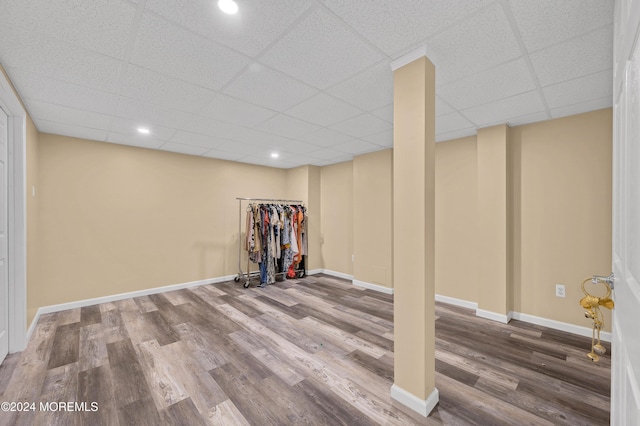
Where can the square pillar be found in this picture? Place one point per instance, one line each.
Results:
(413, 232)
(494, 287)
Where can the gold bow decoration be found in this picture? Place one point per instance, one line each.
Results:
(592, 305)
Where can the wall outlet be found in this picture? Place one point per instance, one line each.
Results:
(560, 290)
(353, 257)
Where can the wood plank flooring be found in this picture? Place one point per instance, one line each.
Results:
(311, 351)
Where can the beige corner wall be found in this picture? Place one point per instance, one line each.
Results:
(117, 219)
(456, 219)
(562, 212)
(337, 217)
(372, 212)
(303, 183)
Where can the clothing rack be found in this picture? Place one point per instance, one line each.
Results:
(249, 274)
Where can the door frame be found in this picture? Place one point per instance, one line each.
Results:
(16, 214)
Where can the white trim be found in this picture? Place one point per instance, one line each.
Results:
(375, 287)
(494, 316)
(457, 302)
(16, 215)
(112, 298)
(408, 399)
(561, 326)
(337, 274)
(315, 271)
(407, 58)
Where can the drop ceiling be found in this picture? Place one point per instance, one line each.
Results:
(308, 79)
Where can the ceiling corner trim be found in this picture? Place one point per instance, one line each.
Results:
(407, 58)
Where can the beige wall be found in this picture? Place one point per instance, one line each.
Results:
(456, 219)
(337, 217)
(562, 212)
(372, 212)
(117, 219)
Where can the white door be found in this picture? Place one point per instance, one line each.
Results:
(625, 369)
(4, 282)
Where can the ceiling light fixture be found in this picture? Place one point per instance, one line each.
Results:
(144, 130)
(229, 7)
(274, 155)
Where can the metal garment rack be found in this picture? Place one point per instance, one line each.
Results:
(249, 274)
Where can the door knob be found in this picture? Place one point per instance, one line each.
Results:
(600, 279)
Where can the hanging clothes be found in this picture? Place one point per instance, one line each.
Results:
(276, 238)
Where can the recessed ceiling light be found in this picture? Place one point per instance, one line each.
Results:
(144, 130)
(229, 7)
(274, 155)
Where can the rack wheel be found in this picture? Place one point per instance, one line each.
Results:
(246, 285)
(236, 279)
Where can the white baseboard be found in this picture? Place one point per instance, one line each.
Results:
(561, 326)
(114, 297)
(494, 316)
(532, 319)
(457, 302)
(315, 271)
(409, 400)
(376, 287)
(337, 274)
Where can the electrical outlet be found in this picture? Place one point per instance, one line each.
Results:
(353, 257)
(560, 290)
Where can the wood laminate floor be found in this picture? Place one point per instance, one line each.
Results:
(311, 351)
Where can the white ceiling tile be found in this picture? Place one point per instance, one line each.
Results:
(451, 123)
(396, 25)
(442, 108)
(371, 89)
(310, 50)
(264, 161)
(168, 49)
(257, 24)
(286, 126)
(384, 139)
(183, 149)
(294, 147)
(28, 51)
(215, 128)
(62, 114)
(546, 22)
(587, 106)
(323, 110)
(56, 128)
(583, 55)
(231, 110)
(132, 140)
(386, 113)
(458, 52)
(150, 114)
(496, 83)
(130, 127)
(362, 125)
(98, 25)
(195, 139)
(151, 87)
(44, 89)
(330, 155)
(573, 91)
(356, 146)
(269, 88)
(503, 110)
(325, 137)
